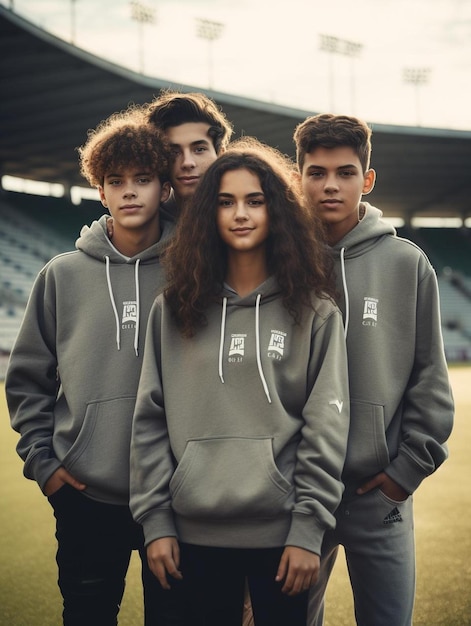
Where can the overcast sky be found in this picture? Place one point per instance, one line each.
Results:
(273, 51)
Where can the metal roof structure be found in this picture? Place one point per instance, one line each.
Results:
(53, 92)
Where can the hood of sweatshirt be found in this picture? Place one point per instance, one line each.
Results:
(94, 242)
(357, 242)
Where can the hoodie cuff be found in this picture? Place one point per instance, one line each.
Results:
(157, 524)
(305, 533)
(406, 473)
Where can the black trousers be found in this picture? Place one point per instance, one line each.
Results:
(214, 580)
(95, 541)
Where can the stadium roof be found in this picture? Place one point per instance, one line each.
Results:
(53, 92)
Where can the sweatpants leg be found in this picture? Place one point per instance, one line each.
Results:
(378, 535)
(94, 549)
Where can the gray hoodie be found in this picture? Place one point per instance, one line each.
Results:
(240, 432)
(401, 401)
(73, 373)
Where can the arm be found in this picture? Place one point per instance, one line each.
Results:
(428, 408)
(31, 385)
(152, 462)
(322, 448)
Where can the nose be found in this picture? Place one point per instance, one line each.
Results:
(188, 159)
(240, 212)
(331, 182)
(129, 191)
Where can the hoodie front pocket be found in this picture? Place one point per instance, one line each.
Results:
(229, 478)
(367, 451)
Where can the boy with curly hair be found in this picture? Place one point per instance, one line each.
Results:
(73, 374)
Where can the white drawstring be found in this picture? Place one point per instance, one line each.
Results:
(115, 310)
(345, 291)
(136, 332)
(221, 341)
(110, 291)
(257, 340)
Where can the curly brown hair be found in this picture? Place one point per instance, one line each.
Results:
(297, 256)
(123, 139)
(173, 108)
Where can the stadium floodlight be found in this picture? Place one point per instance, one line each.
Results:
(335, 45)
(416, 76)
(209, 30)
(141, 14)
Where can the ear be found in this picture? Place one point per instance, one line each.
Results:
(165, 192)
(369, 181)
(102, 196)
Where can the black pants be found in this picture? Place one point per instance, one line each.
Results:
(95, 541)
(214, 580)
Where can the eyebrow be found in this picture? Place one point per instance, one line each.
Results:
(340, 167)
(119, 175)
(254, 194)
(198, 142)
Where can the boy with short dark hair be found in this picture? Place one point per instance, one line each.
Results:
(73, 374)
(197, 132)
(401, 400)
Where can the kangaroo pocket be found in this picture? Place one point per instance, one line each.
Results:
(100, 455)
(229, 478)
(367, 451)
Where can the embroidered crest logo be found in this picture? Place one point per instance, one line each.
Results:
(237, 346)
(129, 312)
(370, 311)
(276, 346)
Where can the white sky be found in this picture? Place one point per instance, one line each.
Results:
(270, 51)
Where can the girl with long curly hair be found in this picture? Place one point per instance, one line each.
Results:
(241, 421)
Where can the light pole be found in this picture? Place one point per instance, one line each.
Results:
(142, 14)
(416, 76)
(209, 30)
(334, 45)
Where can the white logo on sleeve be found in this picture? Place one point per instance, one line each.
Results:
(338, 404)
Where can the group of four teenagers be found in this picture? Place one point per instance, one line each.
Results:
(274, 409)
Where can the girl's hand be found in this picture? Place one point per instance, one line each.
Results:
(163, 557)
(298, 569)
(57, 480)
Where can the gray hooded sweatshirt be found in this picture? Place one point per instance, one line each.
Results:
(240, 432)
(401, 400)
(73, 373)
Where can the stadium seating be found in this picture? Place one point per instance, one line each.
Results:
(33, 229)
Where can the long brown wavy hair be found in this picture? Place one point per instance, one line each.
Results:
(297, 256)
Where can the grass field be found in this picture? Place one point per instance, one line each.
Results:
(29, 594)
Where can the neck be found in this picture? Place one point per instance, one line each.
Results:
(246, 272)
(131, 242)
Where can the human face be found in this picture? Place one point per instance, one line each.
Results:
(333, 183)
(132, 197)
(192, 153)
(242, 215)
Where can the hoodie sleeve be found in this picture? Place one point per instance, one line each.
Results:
(321, 451)
(151, 459)
(428, 407)
(31, 383)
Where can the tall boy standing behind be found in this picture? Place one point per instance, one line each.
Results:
(72, 379)
(197, 132)
(401, 401)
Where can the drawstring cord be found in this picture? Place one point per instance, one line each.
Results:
(257, 344)
(221, 341)
(136, 331)
(345, 290)
(257, 339)
(115, 311)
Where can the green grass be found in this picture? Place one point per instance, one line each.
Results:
(28, 589)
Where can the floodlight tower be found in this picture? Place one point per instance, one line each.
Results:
(142, 14)
(416, 76)
(209, 30)
(334, 45)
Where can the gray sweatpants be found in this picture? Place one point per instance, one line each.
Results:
(378, 536)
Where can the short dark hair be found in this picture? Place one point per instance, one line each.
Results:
(173, 108)
(330, 131)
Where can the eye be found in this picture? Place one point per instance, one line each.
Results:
(225, 202)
